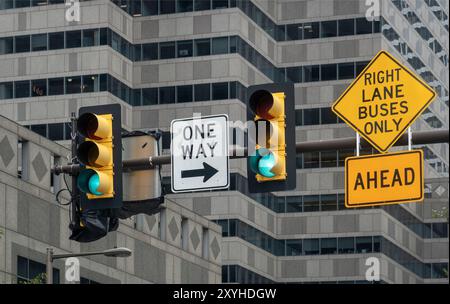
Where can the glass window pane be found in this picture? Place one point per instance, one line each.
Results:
(346, 27)
(311, 73)
(22, 3)
(149, 7)
(328, 246)
(22, 89)
(56, 86)
(184, 93)
(343, 154)
(311, 30)
(56, 41)
(22, 44)
(6, 90)
(327, 116)
(22, 267)
(6, 4)
(328, 202)
(311, 117)
(328, 29)
(184, 48)
(311, 246)
(167, 95)
(39, 87)
(440, 230)
(220, 45)
(328, 159)
(218, 4)
(311, 203)
(6, 45)
(364, 244)
(56, 131)
(346, 245)
(346, 70)
(363, 26)
(294, 31)
(293, 247)
(202, 47)
(294, 74)
(73, 39)
(311, 160)
(91, 37)
(150, 51)
(73, 85)
(39, 129)
(360, 66)
(184, 6)
(167, 50)
(167, 7)
(329, 72)
(202, 92)
(90, 83)
(149, 96)
(39, 42)
(294, 204)
(220, 91)
(200, 5)
(298, 117)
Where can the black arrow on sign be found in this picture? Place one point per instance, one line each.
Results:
(207, 172)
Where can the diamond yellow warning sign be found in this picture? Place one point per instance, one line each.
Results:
(382, 179)
(383, 101)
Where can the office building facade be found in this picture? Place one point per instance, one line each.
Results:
(168, 59)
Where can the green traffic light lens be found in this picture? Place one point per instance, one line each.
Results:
(93, 184)
(265, 165)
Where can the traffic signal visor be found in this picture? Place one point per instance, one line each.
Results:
(96, 153)
(269, 159)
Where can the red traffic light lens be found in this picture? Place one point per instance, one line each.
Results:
(261, 103)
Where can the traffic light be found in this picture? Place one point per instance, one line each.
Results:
(99, 151)
(271, 164)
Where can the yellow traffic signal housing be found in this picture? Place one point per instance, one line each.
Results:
(99, 150)
(271, 159)
(269, 109)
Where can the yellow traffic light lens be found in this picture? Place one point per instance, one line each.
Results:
(94, 154)
(94, 126)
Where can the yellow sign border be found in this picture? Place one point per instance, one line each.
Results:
(357, 79)
(409, 200)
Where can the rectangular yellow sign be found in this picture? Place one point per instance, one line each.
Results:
(383, 179)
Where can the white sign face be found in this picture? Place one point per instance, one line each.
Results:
(199, 151)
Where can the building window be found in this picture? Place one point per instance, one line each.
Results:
(328, 72)
(6, 45)
(311, 246)
(73, 85)
(311, 203)
(363, 26)
(364, 244)
(56, 86)
(328, 29)
(39, 87)
(327, 116)
(220, 45)
(346, 70)
(202, 92)
(22, 44)
(6, 90)
(293, 247)
(294, 31)
(22, 89)
(56, 131)
(294, 74)
(184, 6)
(91, 37)
(87, 281)
(184, 93)
(184, 48)
(166, 95)
(311, 30)
(167, 50)
(73, 39)
(311, 117)
(149, 7)
(28, 270)
(149, 96)
(150, 51)
(294, 204)
(167, 6)
(39, 42)
(346, 245)
(39, 129)
(328, 159)
(56, 41)
(328, 202)
(90, 84)
(220, 91)
(218, 4)
(328, 246)
(202, 47)
(311, 73)
(346, 27)
(202, 5)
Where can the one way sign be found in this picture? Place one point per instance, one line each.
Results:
(200, 153)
